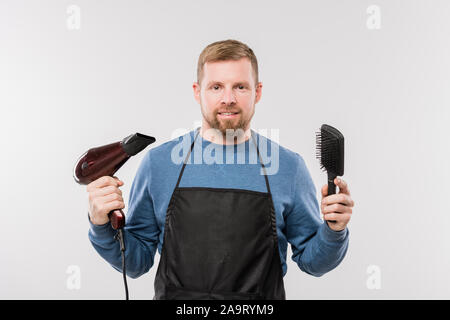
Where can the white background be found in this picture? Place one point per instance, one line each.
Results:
(130, 68)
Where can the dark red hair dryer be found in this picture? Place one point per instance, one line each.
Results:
(105, 161)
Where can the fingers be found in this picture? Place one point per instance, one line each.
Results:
(341, 198)
(106, 195)
(113, 205)
(103, 182)
(343, 186)
(339, 182)
(112, 197)
(324, 190)
(341, 218)
(100, 207)
(336, 208)
(105, 191)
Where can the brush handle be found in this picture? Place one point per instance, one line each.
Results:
(331, 187)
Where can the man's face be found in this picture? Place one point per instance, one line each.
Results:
(227, 94)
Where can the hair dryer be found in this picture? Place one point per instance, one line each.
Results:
(106, 160)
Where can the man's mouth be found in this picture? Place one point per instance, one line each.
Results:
(227, 115)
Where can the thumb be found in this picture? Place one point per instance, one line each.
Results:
(324, 190)
(120, 182)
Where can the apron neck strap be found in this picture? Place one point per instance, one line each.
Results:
(257, 150)
(185, 160)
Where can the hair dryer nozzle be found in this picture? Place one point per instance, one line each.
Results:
(135, 143)
(106, 160)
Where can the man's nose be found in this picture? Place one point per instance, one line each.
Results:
(228, 97)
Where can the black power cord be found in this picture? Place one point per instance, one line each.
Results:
(120, 237)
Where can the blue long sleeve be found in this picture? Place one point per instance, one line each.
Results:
(316, 248)
(140, 232)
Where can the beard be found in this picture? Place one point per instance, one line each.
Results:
(222, 125)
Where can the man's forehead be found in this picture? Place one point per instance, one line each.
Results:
(243, 63)
(228, 71)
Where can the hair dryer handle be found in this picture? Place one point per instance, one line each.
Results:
(117, 219)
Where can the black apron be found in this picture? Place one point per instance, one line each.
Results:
(220, 244)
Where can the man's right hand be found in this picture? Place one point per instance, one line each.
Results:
(104, 196)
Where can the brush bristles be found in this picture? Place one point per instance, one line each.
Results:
(326, 149)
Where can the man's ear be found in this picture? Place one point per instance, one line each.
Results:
(196, 88)
(258, 92)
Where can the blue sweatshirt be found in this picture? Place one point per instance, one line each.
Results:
(316, 248)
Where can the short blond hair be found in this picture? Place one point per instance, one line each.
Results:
(226, 50)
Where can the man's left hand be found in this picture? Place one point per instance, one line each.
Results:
(337, 208)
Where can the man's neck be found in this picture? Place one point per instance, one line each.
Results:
(215, 136)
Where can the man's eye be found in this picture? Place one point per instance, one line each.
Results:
(241, 87)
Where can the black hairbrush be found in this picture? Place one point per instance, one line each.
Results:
(330, 152)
